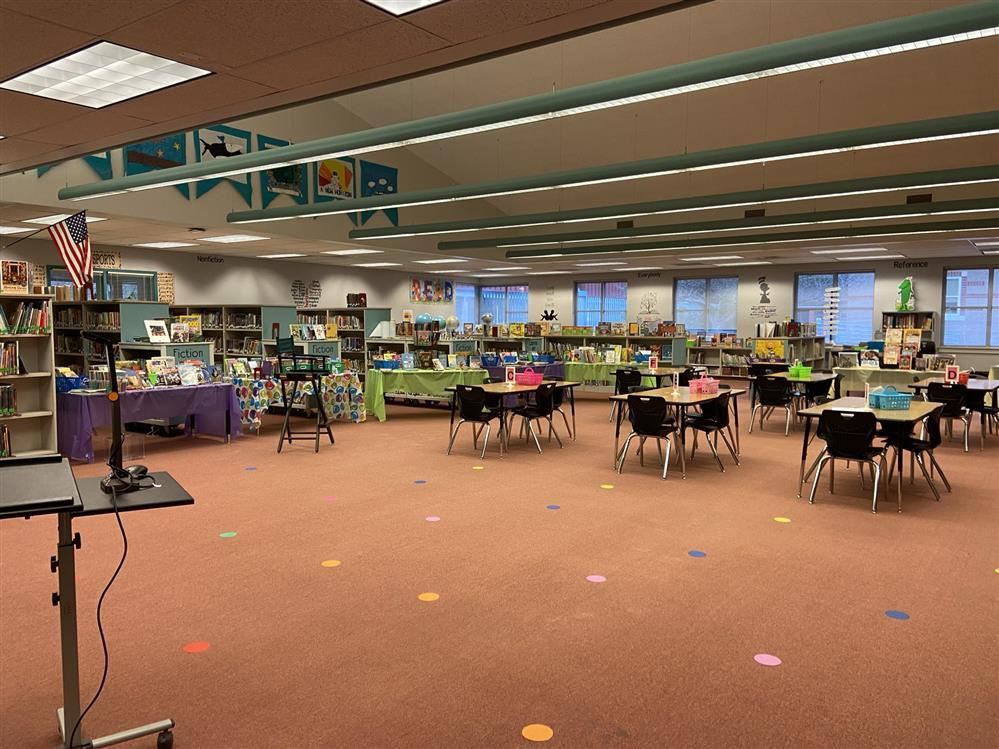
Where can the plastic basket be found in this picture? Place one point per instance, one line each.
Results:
(799, 372)
(490, 360)
(529, 377)
(704, 385)
(889, 399)
(543, 358)
(65, 384)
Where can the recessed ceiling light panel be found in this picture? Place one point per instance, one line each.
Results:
(165, 245)
(871, 257)
(710, 257)
(102, 74)
(748, 262)
(357, 251)
(512, 267)
(233, 238)
(13, 229)
(549, 273)
(281, 256)
(374, 265)
(441, 261)
(608, 262)
(848, 250)
(57, 217)
(402, 7)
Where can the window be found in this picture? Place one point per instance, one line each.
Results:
(466, 298)
(971, 307)
(58, 276)
(856, 304)
(506, 304)
(707, 306)
(601, 301)
(134, 285)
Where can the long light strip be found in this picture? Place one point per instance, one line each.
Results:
(766, 196)
(844, 141)
(894, 36)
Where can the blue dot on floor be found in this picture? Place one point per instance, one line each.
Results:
(696, 553)
(553, 507)
(250, 468)
(420, 481)
(893, 614)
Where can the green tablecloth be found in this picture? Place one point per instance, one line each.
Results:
(854, 378)
(377, 382)
(600, 373)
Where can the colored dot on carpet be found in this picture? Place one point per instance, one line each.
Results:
(250, 468)
(428, 597)
(893, 614)
(553, 507)
(432, 518)
(331, 563)
(696, 553)
(227, 534)
(596, 578)
(765, 659)
(537, 732)
(420, 481)
(327, 499)
(197, 647)
(607, 486)
(996, 570)
(782, 520)
(478, 468)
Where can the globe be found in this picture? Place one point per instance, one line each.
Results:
(441, 322)
(424, 319)
(487, 318)
(452, 322)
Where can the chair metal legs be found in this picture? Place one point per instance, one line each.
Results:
(454, 434)
(477, 429)
(934, 464)
(825, 458)
(627, 443)
(767, 412)
(922, 466)
(752, 418)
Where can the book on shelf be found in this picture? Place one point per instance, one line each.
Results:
(10, 359)
(8, 400)
(193, 323)
(29, 317)
(5, 448)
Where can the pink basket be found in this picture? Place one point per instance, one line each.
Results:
(529, 377)
(704, 385)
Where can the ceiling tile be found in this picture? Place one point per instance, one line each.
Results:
(474, 19)
(92, 16)
(13, 149)
(20, 113)
(231, 33)
(361, 50)
(28, 42)
(89, 126)
(202, 94)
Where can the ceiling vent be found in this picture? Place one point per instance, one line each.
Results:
(625, 224)
(756, 212)
(925, 197)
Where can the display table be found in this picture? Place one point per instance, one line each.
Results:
(994, 372)
(548, 371)
(854, 378)
(211, 408)
(420, 382)
(342, 395)
(601, 373)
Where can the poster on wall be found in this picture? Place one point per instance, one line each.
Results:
(223, 142)
(335, 179)
(291, 180)
(159, 153)
(378, 179)
(431, 291)
(100, 163)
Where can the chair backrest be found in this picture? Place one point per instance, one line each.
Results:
(932, 423)
(471, 401)
(544, 398)
(558, 394)
(647, 413)
(717, 410)
(951, 395)
(848, 434)
(773, 391)
(285, 345)
(761, 369)
(686, 376)
(626, 378)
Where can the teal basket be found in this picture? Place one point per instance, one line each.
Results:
(889, 399)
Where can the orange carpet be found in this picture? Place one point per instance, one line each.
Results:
(662, 648)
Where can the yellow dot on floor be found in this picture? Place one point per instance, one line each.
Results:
(537, 732)
(783, 520)
(997, 570)
(607, 486)
(331, 563)
(478, 468)
(428, 596)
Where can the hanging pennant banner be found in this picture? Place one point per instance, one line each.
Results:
(378, 179)
(222, 142)
(291, 180)
(159, 153)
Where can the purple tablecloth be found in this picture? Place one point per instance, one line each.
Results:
(78, 414)
(555, 369)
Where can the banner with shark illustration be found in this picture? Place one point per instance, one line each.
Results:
(222, 142)
(99, 162)
(378, 179)
(291, 180)
(158, 153)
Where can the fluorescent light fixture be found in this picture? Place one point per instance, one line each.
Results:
(990, 252)
(374, 265)
(165, 245)
(512, 267)
(402, 7)
(609, 262)
(549, 273)
(102, 74)
(490, 275)
(747, 262)
(441, 261)
(710, 257)
(846, 250)
(57, 217)
(985, 243)
(443, 272)
(281, 256)
(2, 137)
(643, 267)
(233, 238)
(357, 251)
(13, 229)
(897, 35)
(871, 257)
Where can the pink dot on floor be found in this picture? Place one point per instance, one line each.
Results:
(765, 659)
(199, 646)
(432, 518)
(327, 499)
(596, 578)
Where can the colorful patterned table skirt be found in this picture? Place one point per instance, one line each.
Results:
(343, 397)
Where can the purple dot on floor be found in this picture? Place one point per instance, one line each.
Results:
(696, 553)
(432, 518)
(893, 614)
(553, 507)
(420, 481)
(765, 659)
(596, 578)
(250, 468)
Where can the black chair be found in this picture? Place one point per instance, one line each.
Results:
(297, 368)
(542, 407)
(626, 380)
(648, 419)
(684, 377)
(712, 420)
(849, 436)
(762, 369)
(919, 447)
(953, 396)
(558, 400)
(771, 393)
(473, 408)
(988, 412)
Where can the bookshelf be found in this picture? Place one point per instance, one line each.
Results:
(925, 321)
(808, 349)
(721, 360)
(672, 349)
(31, 428)
(355, 329)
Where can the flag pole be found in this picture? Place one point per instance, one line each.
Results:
(36, 231)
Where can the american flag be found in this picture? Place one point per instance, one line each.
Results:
(73, 241)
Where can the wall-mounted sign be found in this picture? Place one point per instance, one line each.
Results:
(911, 264)
(210, 259)
(649, 274)
(106, 258)
(763, 311)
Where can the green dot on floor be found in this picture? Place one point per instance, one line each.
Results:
(227, 534)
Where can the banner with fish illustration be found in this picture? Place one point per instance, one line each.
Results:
(335, 179)
(222, 142)
(158, 153)
(378, 179)
(100, 163)
(291, 180)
